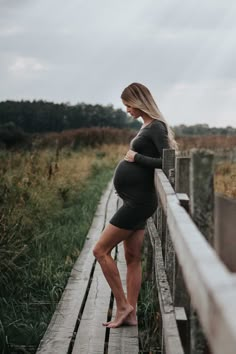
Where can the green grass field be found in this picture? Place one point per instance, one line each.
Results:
(47, 202)
(47, 206)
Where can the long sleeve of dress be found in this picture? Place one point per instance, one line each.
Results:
(159, 137)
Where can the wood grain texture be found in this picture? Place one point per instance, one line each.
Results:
(170, 330)
(90, 337)
(211, 287)
(202, 191)
(85, 301)
(168, 160)
(225, 226)
(124, 339)
(163, 188)
(182, 174)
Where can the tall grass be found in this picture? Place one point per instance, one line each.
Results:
(148, 314)
(77, 138)
(47, 205)
(208, 142)
(225, 179)
(47, 200)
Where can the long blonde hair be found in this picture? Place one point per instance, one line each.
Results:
(138, 96)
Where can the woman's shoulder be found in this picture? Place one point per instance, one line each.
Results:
(158, 126)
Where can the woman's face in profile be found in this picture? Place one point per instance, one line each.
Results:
(134, 112)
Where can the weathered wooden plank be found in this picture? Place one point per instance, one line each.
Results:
(184, 201)
(161, 226)
(210, 285)
(180, 314)
(168, 160)
(202, 191)
(163, 186)
(90, 337)
(165, 189)
(182, 174)
(181, 296)
(182, 322)
(169, 262)
(124, 339)
(170, 330)
(225, 226)
(60, 330)
(201, 205)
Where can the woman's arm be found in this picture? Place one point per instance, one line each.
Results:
(158, 134)
(153, 162)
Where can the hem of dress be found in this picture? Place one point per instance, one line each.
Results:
(128, 228)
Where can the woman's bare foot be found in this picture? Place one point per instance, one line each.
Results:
(131, 319)
(120, 317)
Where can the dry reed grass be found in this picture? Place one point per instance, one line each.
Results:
(34, 185)
(207, 142)
(225, 179)
(78, 138)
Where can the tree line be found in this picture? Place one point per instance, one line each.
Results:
(42, 116)
(20, 119)
(202, 129)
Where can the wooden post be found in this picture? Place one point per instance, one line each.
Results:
(202, 191)
(168, 168)
(181, 297)
(182, 182)
(168, 161)
(160, 223)
(225, 226)
(201, 207)
(171, 176)
(182, 165)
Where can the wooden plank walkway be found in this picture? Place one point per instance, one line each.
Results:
(76, 326)
(122, 339)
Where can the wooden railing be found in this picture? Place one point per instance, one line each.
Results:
(197, 293)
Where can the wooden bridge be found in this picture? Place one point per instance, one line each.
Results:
(87, 301)
(196, 292)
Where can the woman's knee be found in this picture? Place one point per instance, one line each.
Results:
(132, 257)
(99, 252)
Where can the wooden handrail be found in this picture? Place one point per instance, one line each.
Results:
(212, 288)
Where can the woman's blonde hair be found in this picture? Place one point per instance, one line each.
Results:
(138, 96)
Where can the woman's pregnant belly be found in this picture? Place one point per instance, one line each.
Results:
(133, 182)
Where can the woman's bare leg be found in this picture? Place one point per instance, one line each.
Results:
(133, 252)
(110, 237)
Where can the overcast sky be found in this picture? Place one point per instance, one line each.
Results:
(88, 51)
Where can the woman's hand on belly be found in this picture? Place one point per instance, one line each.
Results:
(130, 156)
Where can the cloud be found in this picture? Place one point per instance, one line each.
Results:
(26, 66)
(88, 51)
(206, 101)
(11, 30)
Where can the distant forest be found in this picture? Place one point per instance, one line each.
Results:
(202, 129)
(44, 117)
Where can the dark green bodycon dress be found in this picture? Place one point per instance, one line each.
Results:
(134, 181)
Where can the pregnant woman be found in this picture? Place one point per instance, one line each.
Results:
(134, 183)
